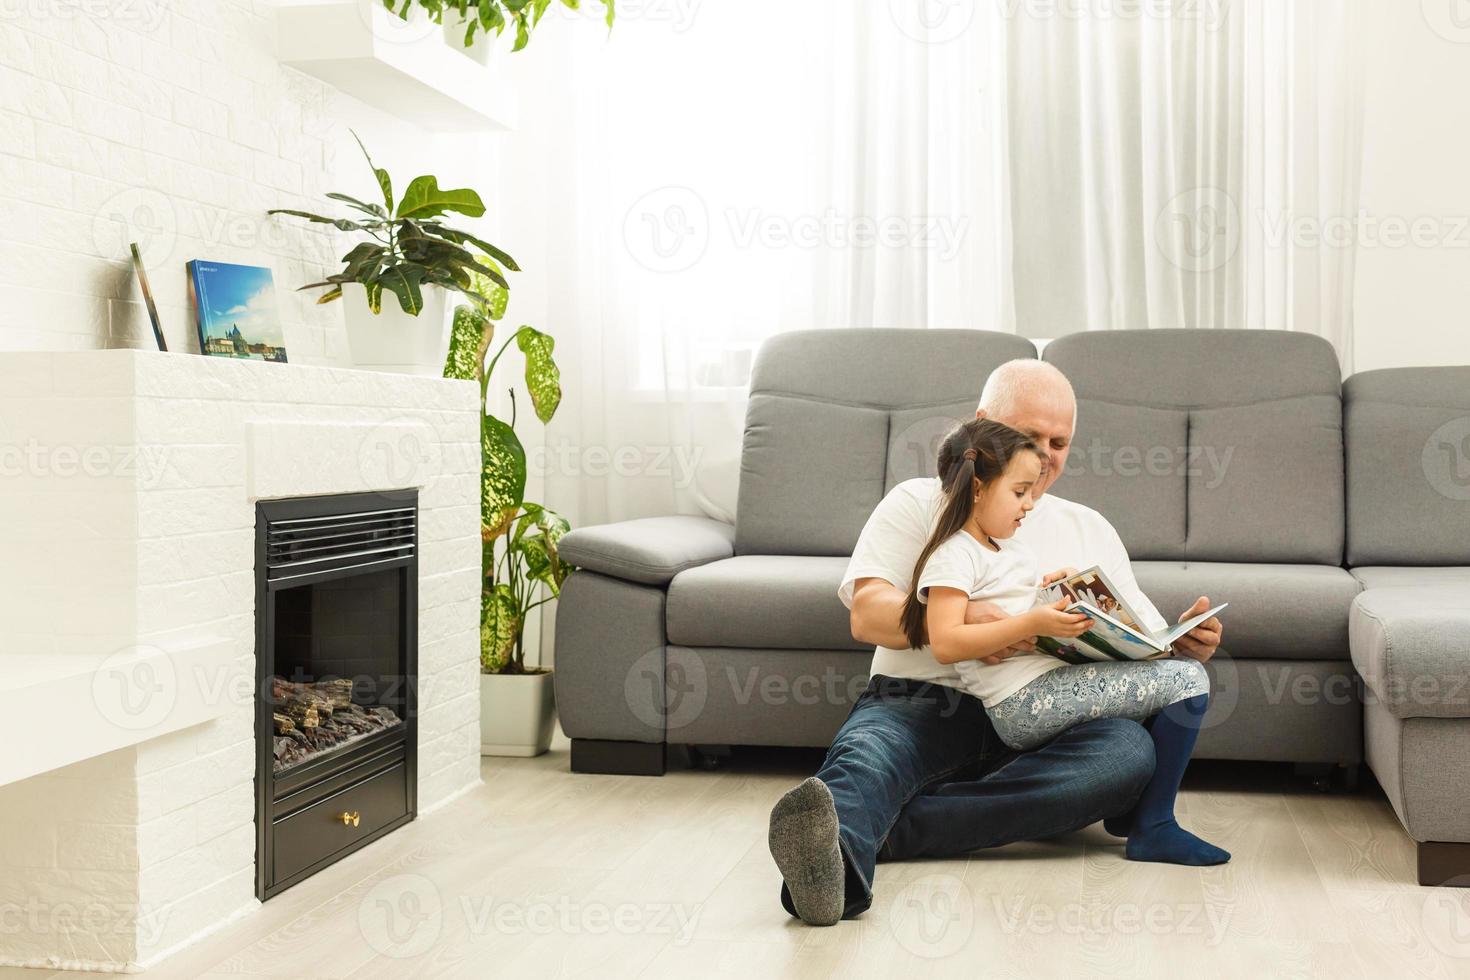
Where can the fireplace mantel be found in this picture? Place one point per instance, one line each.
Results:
(130, 480)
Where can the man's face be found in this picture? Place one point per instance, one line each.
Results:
(1048, 420)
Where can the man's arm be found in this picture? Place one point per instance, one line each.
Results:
(877, 613)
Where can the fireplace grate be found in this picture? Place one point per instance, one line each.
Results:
(305, 546)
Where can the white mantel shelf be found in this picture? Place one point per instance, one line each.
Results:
(407, 70)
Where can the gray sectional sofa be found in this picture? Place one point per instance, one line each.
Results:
(1334, 518)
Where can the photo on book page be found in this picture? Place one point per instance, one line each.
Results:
(1093, 588)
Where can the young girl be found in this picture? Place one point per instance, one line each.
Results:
(987, 472)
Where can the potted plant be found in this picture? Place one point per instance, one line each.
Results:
(470, 16)
(521, 565)
(408, 251)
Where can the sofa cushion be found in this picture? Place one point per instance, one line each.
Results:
(829, 409)
(650, 550)
(1128, 464)
(1408, 466)
(762, 601)
(1262, 461)
(1277, 612)
(1412, 646)
(1387, 576)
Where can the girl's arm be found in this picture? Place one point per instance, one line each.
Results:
(951, 639)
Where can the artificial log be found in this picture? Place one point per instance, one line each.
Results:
(283, 724)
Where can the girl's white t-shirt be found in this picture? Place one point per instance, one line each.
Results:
(1009, 578)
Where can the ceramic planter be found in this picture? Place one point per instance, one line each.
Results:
(517, 714)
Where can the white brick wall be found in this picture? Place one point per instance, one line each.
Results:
(171, 123)
(163, 834)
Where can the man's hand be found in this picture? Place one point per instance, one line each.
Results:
(980, 611)
(1201, 642)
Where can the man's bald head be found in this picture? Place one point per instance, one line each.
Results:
(1033, 396)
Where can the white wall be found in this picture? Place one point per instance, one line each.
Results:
(1413, 299)
(175, 119)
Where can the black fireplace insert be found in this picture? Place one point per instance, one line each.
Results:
(336, 670)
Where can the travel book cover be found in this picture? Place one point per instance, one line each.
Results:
(235, 309)
(142, 275)
(1117, 633)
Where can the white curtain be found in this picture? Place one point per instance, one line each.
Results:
(1186, 164)
(714, 173)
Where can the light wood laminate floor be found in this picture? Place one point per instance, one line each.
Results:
(541, 873)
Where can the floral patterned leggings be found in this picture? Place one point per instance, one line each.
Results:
(1073, 694)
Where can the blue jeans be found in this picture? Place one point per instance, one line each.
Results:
(917, 770)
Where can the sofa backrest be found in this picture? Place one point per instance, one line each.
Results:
(1408, 466)
(839, 417)
(1212, 445)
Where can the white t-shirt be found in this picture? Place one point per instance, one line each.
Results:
(1009, 578)
(1058, 532)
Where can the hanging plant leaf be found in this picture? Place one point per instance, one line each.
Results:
(499, 622)
(424, 199)
(502, 477)
(469, 337)
(543, 377)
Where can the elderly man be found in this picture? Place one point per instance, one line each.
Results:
(917, 769)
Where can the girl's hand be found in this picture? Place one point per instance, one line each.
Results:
(1054, 620)
(1058, 575)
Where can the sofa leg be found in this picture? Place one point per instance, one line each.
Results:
(615, 758)
(1446, 864)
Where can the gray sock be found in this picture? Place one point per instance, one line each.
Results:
(803, 841)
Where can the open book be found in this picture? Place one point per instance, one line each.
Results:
(1117, 632)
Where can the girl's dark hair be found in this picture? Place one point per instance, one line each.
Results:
(979, 449)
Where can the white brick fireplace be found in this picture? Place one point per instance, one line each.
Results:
(128, 480)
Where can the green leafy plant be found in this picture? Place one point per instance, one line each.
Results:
(492, 15)
(408, 247)
(521, 564)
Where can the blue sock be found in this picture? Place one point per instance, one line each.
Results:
(1153, 834)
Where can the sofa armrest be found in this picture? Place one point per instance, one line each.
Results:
(651, 550)
(1412, 648)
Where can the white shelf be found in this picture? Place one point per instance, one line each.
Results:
(407, 70)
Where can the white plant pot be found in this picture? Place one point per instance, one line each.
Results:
(517, 714)
(394, 341)
(454, 31)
